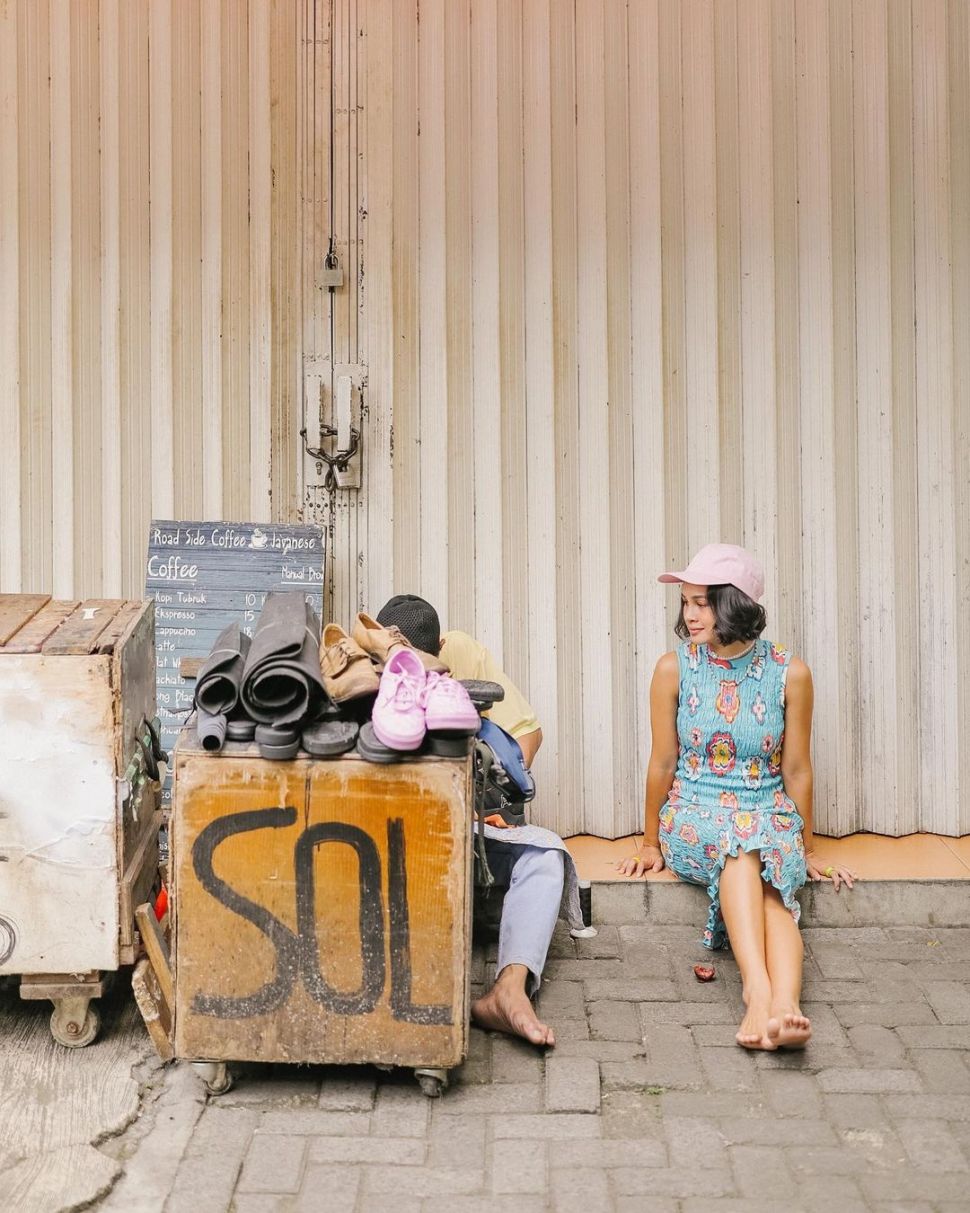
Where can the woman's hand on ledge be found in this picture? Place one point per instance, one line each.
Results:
(647, 859)
(819, 868)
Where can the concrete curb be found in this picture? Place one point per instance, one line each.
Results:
(882, 903)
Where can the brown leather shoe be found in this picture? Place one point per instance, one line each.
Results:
(380, 641)
(346, 668)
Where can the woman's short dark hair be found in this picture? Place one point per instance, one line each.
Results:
(736, 615)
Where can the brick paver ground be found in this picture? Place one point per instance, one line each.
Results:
(646, 1103)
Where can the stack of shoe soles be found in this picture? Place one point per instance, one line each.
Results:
(290, 688)
(270, 689)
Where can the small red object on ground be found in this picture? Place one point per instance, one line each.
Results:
(161, 904)
(704, 972)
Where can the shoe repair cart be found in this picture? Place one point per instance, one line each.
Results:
(320, 912)
(79, 797)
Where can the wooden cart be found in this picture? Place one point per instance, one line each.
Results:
(321, 913)
(79, 797)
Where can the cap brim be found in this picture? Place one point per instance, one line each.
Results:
(671, 578)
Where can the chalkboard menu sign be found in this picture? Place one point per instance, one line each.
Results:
(205, 575)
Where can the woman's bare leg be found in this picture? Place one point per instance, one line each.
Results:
(743, 907)
(787, 1026)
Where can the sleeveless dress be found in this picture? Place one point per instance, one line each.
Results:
(728, 795)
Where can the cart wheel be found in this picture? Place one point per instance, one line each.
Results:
(75, 1022)
(432, 1082)
(216, 1076)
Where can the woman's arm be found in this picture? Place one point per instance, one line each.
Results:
(664, 749)
(796, 767)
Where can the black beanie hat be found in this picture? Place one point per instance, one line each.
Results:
(417, 619)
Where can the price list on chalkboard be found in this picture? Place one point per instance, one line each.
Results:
(205, 575)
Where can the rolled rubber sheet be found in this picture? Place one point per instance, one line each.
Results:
(282, 680)
(220, 680)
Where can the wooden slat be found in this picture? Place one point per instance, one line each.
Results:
(79, 633)
(158, 952)
(154, 1010)
(30, 638)
(16, 609)
(119, 625)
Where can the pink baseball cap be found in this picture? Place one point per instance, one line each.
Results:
(723, 564)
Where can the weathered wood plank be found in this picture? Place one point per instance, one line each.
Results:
(79, 634)
(36, 630)
(118, 627)
(364, 872)
(156, 948)
(154, 1011)
(16, 610)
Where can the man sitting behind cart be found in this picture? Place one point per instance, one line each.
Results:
(534, 873)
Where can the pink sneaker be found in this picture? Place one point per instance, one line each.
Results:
(447, 707)
(398, 717)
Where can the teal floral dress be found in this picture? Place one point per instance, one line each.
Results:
(728, 794)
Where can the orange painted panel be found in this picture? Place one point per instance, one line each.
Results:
(322, 909)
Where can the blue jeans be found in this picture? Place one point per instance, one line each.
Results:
(535, 882)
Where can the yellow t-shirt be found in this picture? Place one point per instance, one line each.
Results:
(466, 658)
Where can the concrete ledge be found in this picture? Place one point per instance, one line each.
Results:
(872, 903)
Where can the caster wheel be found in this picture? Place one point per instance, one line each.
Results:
(432, 1082)
(215, 1075)
(74, 1026)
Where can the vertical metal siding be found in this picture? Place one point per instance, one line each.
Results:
(620, 278)
(714, 293)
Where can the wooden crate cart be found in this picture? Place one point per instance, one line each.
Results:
(79, 797)
(321, 912)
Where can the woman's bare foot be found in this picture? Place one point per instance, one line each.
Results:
(789, 1029)
(753, 1030)
(507, 1008)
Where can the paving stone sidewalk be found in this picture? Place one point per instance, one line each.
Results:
(646, 1103)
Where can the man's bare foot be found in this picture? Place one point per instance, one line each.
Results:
(789, 1030)
(753, 1031)
(507, 1008)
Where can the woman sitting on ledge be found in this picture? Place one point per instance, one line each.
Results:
(729, 785)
